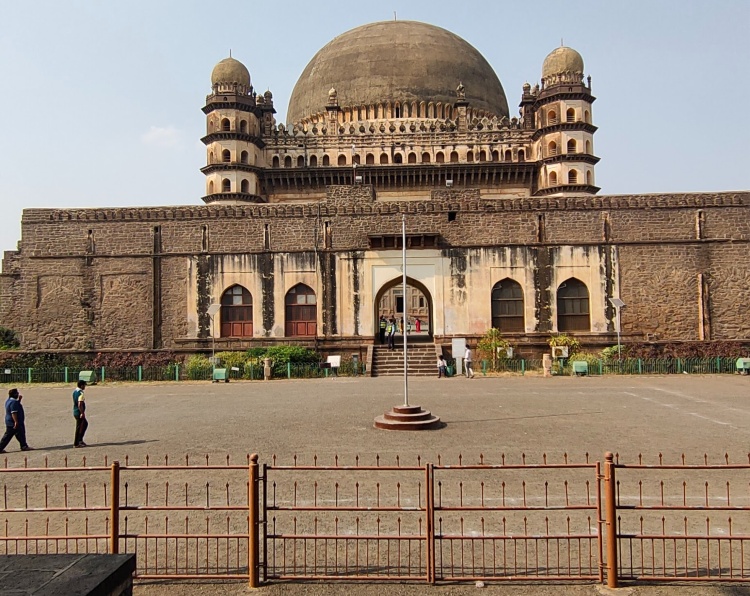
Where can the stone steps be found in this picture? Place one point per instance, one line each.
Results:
(421, 361)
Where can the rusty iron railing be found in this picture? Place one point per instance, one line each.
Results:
(683, 521)
(494, 519)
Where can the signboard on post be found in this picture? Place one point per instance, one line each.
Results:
(334, 362)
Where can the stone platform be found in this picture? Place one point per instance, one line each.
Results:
(67, 575)
(408, 418)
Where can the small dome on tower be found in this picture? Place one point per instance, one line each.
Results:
(230, 71)
(268, 95)
(562, 60)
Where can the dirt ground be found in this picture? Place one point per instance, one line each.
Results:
(487, 419)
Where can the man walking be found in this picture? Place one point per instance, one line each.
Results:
(15, 422)
(391, 332)
(79, 413)
(383, 325)
(467, 363)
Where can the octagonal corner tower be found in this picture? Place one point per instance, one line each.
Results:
(398, 62)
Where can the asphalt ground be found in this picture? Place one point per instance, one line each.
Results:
(507, 419)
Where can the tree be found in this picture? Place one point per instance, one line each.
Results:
(493, 345)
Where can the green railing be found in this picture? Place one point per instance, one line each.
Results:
(350, 368)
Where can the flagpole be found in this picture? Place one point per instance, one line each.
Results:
(406, 319)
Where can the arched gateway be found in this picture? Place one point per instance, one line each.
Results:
(390, 300)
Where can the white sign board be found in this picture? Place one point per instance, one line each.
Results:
(458, 349)
(334, 361)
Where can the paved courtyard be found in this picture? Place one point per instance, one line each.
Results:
(485, 417)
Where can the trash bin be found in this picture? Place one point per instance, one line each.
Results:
(450, 371)
(87, 375)
(220, 374)
(743, 366)
(579, 368)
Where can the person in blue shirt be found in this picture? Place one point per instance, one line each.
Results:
(15, 422)
(79, 413)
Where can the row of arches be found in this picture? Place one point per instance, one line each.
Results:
(390, 111)
(300, 312)
(399, 158)
(574, 177)
(570, 116)
(226, 157)
(572, 306)
(571, 147)
(226, 186)
(508, 308)
(225, 125)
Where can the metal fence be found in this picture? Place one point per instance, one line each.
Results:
(499, 519)
(626, 366)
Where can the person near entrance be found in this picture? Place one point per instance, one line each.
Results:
(79, 413)
(383, 326)
(467, 363)
(442, 367)
(418, 325)
(391, 330)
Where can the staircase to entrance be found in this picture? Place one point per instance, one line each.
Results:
(421, 360)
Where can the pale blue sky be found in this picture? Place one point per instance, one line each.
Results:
(101, 101)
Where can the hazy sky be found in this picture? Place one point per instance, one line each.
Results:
(101, 101)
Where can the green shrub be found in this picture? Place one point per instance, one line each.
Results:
(493, 346)
(230, 359)
(198, 367)
(8, 339)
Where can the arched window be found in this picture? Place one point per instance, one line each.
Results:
(211, 187)
(355, 159)
(288, 161)
(275, 161)
(243, 157)
(301, 312)
(412, 158)
(326, 160)
(313, 161)
(454, 156)
(439, 157)
(553, 178)
(589, 178)
(552, 148)
(243, 125)
(588, 147)
(225, 125)
(521, 155)
(552, 117)
(383, 158)
(398, 158)
(495, 155)
(570, 115)
(370, 159)
(226, 156)
(483, 156)
(587, 117)
(211, 157)
(469, 156)
(573, 177)
(573, 306)
(342, 160)
(425, 157)
(245, 186)
(236, 313)
(226, 185)
(572, 146)
(507, 307)
(300, 161)
(508, 155)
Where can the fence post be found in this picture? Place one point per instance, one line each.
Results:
(610, 518)
(288, 370)
(253, 554)
(601, 366)
(640, 366)
(66, 375)
(114, 488)
(102, 374)
(429, 507)
(28, 375)
(718, 364)
(523, 367)
(176, 372)
(140, 372)
(679, 365)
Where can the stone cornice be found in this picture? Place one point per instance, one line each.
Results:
(230, 166)
(232, 136)
(337, 203)
(568, 157)
(560, 126)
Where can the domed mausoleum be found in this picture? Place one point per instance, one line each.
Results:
(298, 237)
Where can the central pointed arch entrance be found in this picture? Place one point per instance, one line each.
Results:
(390, 300)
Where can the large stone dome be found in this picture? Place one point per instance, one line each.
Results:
(393, 61)
(230, 71)
(562, 60)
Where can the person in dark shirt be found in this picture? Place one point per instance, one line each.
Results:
(79, 413)
(15, 422)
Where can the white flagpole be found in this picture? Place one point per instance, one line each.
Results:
(406, 319)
